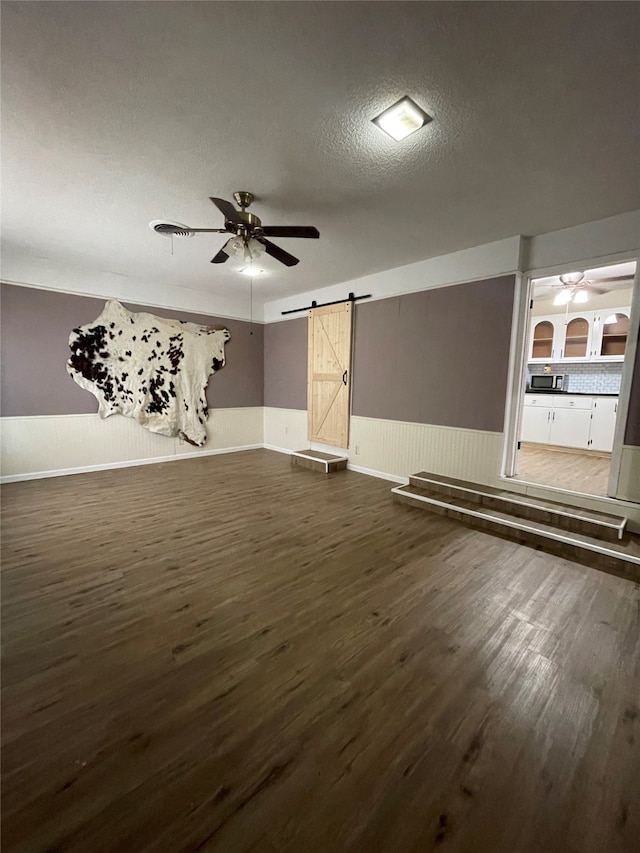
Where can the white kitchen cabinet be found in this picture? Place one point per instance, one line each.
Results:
(572, 401)
(569, 420)
(603, 423)
(609, 340)
(546, 338)
(536, 423)
(579, 336)
(570, 428)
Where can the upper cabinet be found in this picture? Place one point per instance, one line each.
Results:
(611, 330)
(546, 338)
(542, 346)
(588, 336)
(577, 338)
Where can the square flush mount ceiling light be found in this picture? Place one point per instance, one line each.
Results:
(402, 119)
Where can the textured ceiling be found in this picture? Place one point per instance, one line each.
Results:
(115, 114)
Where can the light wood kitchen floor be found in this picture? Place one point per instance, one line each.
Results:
(228, 654)
(574, 471)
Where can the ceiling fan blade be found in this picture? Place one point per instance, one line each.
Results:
(222, 256)
(279, 254)
(290, 231)
(228, 210)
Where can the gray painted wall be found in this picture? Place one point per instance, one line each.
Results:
(35, 327)
(405, 365)
(436, 357)
(285, 359)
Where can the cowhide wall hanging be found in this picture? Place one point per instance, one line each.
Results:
(148, 368)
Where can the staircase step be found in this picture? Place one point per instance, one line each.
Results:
(622, 557)
(590, 523)
(316, 460)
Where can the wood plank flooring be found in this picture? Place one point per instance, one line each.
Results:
(574, 471)
(231, 654)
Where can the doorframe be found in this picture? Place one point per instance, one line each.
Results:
(625, 386)
(520, 323)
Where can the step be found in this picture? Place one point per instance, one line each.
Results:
(622, 557)
(597, 524)
(316, 460)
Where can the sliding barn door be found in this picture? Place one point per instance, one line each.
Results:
(329, 377)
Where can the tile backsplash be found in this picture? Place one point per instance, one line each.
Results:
(590, 378)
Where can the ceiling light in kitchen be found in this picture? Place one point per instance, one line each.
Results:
(563, 297)
(571, 277)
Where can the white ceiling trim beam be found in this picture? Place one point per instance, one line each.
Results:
(492, 259)
(605, 238)
(45, 274)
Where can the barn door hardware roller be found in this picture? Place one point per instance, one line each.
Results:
(314, 304)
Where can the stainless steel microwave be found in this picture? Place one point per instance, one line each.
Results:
(547, 382)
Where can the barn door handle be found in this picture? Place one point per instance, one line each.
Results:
(344, 378)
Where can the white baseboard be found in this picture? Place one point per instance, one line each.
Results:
(381, 475)
(129, 463)
(278, 449)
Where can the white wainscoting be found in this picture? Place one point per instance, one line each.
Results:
(52, 445)
(399, 449)
(285, 429)
(49, 446)
(396, 449)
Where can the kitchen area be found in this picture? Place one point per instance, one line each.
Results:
(579, 327)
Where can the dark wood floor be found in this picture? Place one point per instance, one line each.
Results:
(227, 654)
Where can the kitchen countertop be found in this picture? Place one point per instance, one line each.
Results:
(573, 393)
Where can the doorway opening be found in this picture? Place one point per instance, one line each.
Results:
(576, 339)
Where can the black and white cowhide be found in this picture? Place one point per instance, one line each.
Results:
(148, 368)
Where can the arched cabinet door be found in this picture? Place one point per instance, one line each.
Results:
(577, 336)
(615, 331)
(542, 340)
(610, 333)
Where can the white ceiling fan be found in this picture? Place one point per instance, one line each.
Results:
(574, 287)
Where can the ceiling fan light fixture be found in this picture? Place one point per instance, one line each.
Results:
(256, 248)
(563, 297)
(581, 296)
(251, 270)
(571, 277)
(402, 119)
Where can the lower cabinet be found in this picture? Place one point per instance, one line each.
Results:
(586, 423)
(603, 423)
(536, 424)
(570, 428)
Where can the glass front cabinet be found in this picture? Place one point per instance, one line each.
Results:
(576, 345)
(546, 338)
(588, 336)
(611, 330)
